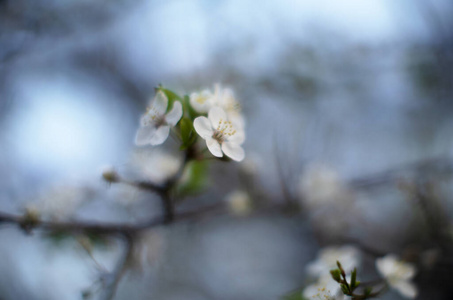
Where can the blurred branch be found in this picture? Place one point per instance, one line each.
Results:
(440, 166)
(434, 215)
(28, 224)
(283, 177)
(120, 269)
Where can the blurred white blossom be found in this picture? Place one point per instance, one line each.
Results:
(202, 101)
(321, 185)
(239, 203)
(156, 165)
(324, 289)
(221, 135)
(155, 123)
(348, 256)
(398, 274)
(60, 203)
(224, 97)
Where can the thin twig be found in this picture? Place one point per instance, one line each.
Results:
(114, 278)
(283, 178)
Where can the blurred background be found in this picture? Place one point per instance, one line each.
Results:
(362, 89)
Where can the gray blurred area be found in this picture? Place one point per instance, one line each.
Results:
(365, 87)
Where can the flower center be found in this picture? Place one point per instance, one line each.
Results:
(323, 294)
(224, 130)
(201, 99)
(154, 118)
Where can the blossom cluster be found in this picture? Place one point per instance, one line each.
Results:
(324, 286)
(333, 283)
(215, 116)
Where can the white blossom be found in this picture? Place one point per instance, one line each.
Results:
(239, 203)
(224, 98)
(321, 185)
(324, 289)
(202, 101)
(348, 256)
(61, 202)
(221, 135)
(398, 274)
(155, 123)
(156, 166)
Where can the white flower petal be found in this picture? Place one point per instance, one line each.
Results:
(386, 265)
(317, 267)
(310, 291)
(203, 127)
(214, 147)
(215, 115)
(160, 103)
(349, 257)
(160, 135)
(233, 150)
(406, 288)
(237, 119)
(324, 288)
(409, 271)
(201, 102)
(238, 137)
(228, 95)
(146, 119)
(144, 135)
(175, 114)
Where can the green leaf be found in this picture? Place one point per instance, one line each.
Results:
(172, 96)
(188, 134)
(344, 288)
(354, 279)
(194, 178)
(336, 275)
(341, 269)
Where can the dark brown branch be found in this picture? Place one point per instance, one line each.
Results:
(26, 223)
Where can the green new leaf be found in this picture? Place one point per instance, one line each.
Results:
(341, 269)
(345, 289)
(172, 97)
(194, 178)
(354, 282)
(336, 275)
(188, 134)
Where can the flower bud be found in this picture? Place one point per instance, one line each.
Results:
(110, 175)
